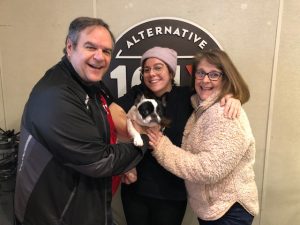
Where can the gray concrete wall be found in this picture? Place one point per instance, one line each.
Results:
(262, 38)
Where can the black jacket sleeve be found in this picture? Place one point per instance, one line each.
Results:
(63, 124)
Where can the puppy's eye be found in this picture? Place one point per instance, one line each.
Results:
(145, 109)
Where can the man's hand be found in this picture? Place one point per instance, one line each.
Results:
(129, 177)
(232, 107)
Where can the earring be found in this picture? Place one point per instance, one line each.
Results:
(141, 77)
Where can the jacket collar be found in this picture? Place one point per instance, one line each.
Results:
(89, 88)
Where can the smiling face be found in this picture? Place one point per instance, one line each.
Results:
(205, 87)
(92, 54)
(157, 76)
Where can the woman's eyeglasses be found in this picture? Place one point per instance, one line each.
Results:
(156, 69)
(213, 75)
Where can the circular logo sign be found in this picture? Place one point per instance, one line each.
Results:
(183, 36)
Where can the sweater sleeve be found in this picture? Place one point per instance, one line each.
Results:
(221, 145)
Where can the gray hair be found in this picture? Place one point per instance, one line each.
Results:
(79, 24)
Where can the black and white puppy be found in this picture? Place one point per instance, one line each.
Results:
(147, 112)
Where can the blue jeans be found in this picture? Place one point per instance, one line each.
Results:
(236, 215)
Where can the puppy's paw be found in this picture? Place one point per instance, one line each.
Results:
(138, 141)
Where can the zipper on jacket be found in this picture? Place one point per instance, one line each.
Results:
(68, 204)
(105, 199)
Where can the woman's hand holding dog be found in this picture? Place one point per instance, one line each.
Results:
(154, 135)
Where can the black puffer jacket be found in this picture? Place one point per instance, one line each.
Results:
(65, 159)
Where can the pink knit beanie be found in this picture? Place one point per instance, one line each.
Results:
(167, 55)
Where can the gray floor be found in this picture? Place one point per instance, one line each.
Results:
(6, 203)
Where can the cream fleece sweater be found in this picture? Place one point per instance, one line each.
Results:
(216, 160)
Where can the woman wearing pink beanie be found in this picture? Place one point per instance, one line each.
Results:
(157, 197)
(217, 155)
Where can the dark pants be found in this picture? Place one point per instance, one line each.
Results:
(141, 210)
(236, 215)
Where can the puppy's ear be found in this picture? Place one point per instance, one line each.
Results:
(142, 97)
(138, 98)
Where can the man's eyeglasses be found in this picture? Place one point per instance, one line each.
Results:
(156, 69)
(213, 75)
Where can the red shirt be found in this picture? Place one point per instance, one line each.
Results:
(113, 139)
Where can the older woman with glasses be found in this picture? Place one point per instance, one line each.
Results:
(217, 154)
(154, 196)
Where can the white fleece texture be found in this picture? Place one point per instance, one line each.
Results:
(216, 160)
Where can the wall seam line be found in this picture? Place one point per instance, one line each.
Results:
(271, 106)
(95, 8)
(2, 92)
